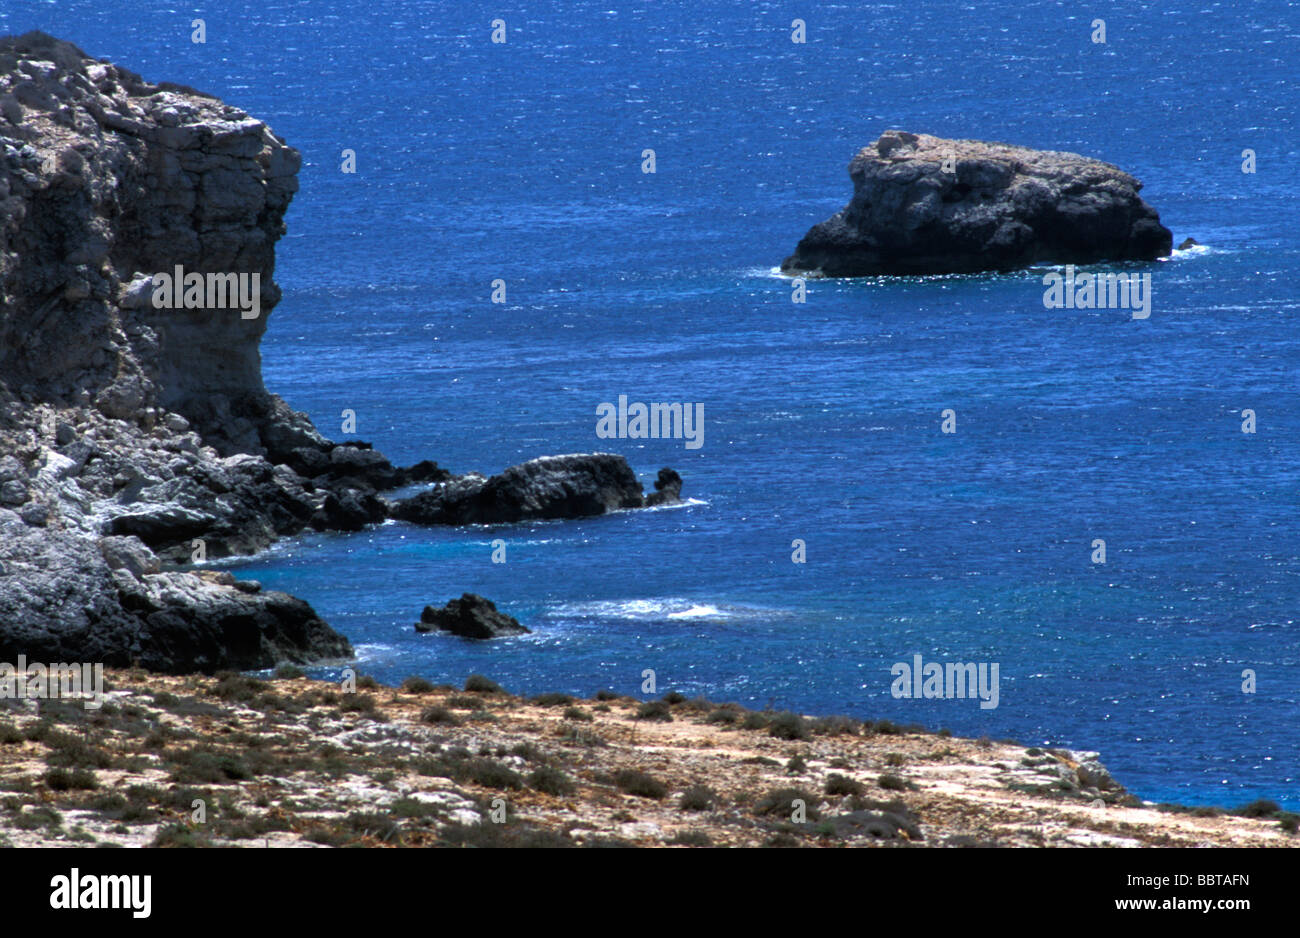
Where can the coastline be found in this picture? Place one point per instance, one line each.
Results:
(121, 453)
(233, 760)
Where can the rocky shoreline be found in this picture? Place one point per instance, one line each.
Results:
(135, 438)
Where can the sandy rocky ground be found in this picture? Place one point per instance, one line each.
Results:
(289, 761)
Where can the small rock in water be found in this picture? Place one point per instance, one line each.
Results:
(668, 489)
(471, 616)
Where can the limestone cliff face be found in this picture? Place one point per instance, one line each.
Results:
(106, 180)
(927, 205)
(133, 435)
(125, 428)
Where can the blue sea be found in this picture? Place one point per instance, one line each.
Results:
(522, 162)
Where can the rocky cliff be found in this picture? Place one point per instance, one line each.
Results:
(927, 205)
(124, 426)
(107, 180)
(135, 429)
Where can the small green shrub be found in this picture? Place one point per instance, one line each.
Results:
(550, 781)
(551, 699)
(787, 725)
(655, 710)
(237, 687)
(357, 703)
(204, 766)
(1262, 808)
(492, 774)
(179, 835)
(837, 784)
(780, 802)
(836, 726)
(482, 685)
(439, 715)
(66, 780)
(756, 720)
(698, 798)
(641, 784)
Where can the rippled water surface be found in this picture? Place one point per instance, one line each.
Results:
(522, 162)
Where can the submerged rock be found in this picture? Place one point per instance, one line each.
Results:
(928, 205)
(471, 616)
(572, 486)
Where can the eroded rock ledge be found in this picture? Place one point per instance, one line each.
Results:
(928, 205)
(572, 486)
(133, 437)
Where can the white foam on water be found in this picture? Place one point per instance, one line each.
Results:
(684, 503)
(698, 612)
(649, 610)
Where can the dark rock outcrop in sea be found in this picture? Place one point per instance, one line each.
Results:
(927, 205)
(668, 489)
(471, 616)
(133, 437)
(572, 486)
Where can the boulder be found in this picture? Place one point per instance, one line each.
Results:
(1093, 774)
(572, 486)
(129, 554)
(668, 489)
(349, 510)
(929, 205)
(471, 616)
(66, 597)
